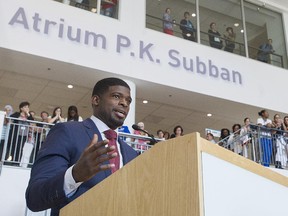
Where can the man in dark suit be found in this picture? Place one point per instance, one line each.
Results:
(77, 155)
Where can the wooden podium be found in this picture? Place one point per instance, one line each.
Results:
(166, 180)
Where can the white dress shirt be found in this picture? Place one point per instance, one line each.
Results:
(70, 185)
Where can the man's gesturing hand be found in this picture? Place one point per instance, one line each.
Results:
(90, 161)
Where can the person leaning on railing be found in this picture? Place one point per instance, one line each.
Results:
(265, 137)
(224, 136)
(8, 109)
(214, 37)
(187, 27)
(230, 37)
(167, 22)
(279, 144)
(264, 51)
(57, 116)
(234, 140)
(142, 144)
(19, 134)
(245, 136)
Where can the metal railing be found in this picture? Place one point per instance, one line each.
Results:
(267, 146)
(137, 142)
(275, 59)
(24, 138)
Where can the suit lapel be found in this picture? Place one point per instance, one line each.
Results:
(123, 152)
(92, 129)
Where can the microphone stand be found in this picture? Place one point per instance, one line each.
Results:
(153, 140)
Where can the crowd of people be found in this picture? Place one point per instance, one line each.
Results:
(26, 135)
(216, 39)
(237, 140)
(271, 140)
(90, 150)
(189, 31)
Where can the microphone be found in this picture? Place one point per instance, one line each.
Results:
(136, 127)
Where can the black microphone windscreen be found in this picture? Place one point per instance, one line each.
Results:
(135, 127)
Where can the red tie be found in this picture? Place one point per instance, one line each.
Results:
(111, 135)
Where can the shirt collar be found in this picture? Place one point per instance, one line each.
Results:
(100, 124)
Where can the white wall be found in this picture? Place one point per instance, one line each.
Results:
(13, 183)
(258, 80)
(230, 190)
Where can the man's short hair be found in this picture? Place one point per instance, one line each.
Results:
(103, 85)
(22, 104)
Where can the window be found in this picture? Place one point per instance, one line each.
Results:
(261, 25)
(108, 8)
(221, 25)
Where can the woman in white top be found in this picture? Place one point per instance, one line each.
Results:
(244, 134)
(73, 114)
(234, 139)
(265, 137)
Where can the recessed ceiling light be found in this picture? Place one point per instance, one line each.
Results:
(209, 115)
(193, 15)
(145, 101)
(236, 24)
(242, 31)
(70, 86)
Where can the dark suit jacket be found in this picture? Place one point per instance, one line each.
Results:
(62, 148)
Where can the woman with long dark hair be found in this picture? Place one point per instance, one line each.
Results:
(224, 135)
(73, 114)
(56, 116)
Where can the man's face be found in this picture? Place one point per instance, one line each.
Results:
(113, 106)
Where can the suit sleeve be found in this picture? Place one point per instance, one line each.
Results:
(45, 189)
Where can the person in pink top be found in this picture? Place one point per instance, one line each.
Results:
(141, 142)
